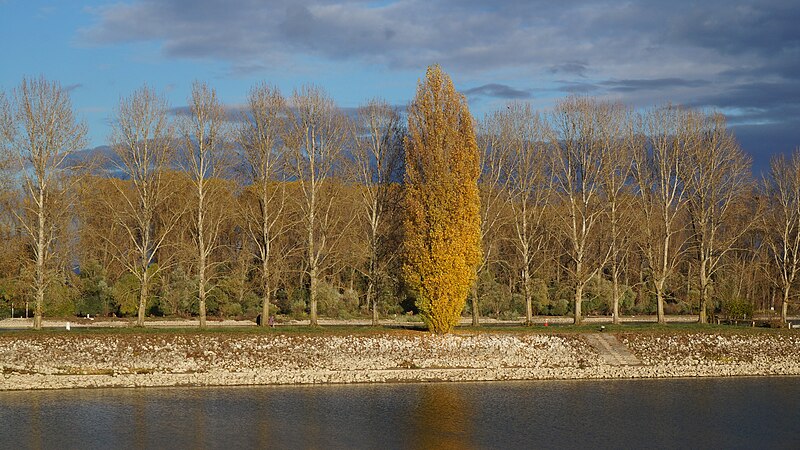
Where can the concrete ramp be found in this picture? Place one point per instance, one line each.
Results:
(612, 351)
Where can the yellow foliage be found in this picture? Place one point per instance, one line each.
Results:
(442, 226)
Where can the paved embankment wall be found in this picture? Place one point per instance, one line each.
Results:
(65, 360)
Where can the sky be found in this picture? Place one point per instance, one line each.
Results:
(741, 58)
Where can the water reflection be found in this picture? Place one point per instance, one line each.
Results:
(264, 431)
(36, 431)
(751, 412)
(443, 418)
(139, 421)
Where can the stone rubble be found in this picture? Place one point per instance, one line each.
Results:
(220, 359)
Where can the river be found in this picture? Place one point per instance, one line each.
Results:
(688, 413)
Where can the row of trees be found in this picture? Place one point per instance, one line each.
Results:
(292, 203)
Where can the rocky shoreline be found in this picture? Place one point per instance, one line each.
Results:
(61, 361)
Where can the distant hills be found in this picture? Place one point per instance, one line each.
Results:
(103, 156)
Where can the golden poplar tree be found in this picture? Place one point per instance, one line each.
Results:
(442, 225)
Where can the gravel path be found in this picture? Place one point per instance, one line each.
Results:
(207, 359)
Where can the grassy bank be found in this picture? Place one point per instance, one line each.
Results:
(402, 329)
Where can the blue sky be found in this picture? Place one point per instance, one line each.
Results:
(739, 57)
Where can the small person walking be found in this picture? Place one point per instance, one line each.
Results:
(271, 321)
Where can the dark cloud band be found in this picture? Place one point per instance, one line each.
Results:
(742, 57)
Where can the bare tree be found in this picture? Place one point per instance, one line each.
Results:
(9, 238)
(577, 172)
(205, 159)
(519, 142)
(783, 222)
(6, 133)
(717, 182)
(263, 124)
(660, 167)
(44, 133)
(493, 140)
(617, 140)
(143, 142)
(316, 139)
(377, 158)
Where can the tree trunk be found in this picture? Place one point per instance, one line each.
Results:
(614, 265)
(475, 312)
(375, 318)
(703, 318)
(615, 295)
(313, 297)
(142, 300)
(785, 305)
(40, 259)
(312, 260)
(265, 310)
(664, 266)
(578, 316)
(703, 293)
(37, 312)
(371, 302)
(266, 293)
(201, 247)
(526, 289)
(660, 302)
(202, 296)
(372, 299)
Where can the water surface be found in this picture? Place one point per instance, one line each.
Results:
(693, 413)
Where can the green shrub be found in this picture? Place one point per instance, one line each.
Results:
(178, 292)
(216, 301)
(349, 301)
(737, 308)
(540, 297)
(389, 294)
(251, 304)
(598, 296)
(95, 294)
(646, 303)
(626, 298)
(327, 300)
(11, 296)
(283, 302)
(125, 293)
(232, 309)
(494, 299)
(59, 300)
(331, 303)
(560, 307)
(678, 307)
(298, 303)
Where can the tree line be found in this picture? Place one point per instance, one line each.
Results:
(293, 205)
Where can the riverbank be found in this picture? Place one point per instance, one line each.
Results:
(64, 360)
(400, 321)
